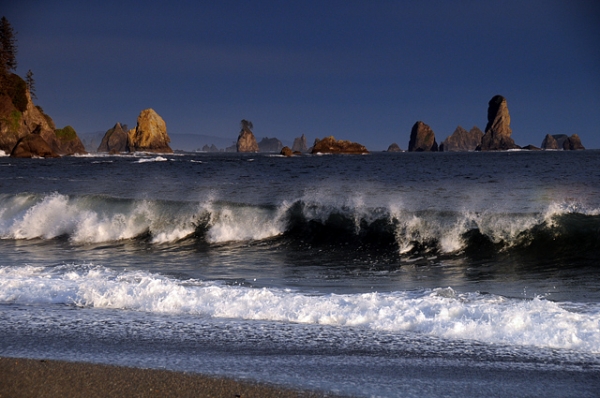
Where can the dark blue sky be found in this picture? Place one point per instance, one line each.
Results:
(359, 70)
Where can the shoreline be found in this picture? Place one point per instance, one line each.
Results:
(25, 377)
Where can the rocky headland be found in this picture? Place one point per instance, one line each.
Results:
(20, 117)
(331, 145)
(422, 139)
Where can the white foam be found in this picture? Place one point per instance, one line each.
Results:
(150, 160)
(439, 312)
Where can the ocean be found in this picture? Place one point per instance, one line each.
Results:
(381, 275)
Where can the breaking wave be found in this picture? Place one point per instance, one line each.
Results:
(436, 312)
(93, 219)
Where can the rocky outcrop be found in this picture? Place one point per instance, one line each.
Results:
(286, 151)
(573, 143)
(549, 142)
(331, 145)
(462, 140)
(150, 134)
(270, 145)
(394, 148)
(300, 144)
(498, 133)
(114, 140)
(531, 148)
(211, 148)
(246, 141)
(422, 139)
(19, 117)
(32, 145)
(562, 141)
(66, 142)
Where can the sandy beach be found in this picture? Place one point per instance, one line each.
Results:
(47, 378)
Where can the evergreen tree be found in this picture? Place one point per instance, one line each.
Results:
(30, 83)
(8, 50)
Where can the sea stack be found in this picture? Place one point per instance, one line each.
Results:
(422, 139)
(573, 143)
(150, 134)
(394, 148)
(300, 144)
(246, 141)
(331, 145)
(462, 140)
(115, 140)
(497, 132)
(549, 142)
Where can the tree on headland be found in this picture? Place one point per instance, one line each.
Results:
(8, 50)
(30, 83)
(246, 125)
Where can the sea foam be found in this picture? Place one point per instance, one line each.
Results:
(440, 312)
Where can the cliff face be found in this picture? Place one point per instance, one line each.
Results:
(150, 134)
(422, 139)
(498, 133)
(462, 140)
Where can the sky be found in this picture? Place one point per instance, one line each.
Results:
(364, 71)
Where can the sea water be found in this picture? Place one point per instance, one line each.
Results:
(404, 274)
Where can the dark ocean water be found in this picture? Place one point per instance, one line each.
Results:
(410, 274)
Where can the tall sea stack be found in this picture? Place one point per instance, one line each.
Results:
(422, 139)
(246, 141)
(497, 132)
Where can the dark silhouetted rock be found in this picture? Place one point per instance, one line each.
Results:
(531, 148)
(331, 145)
(462, 140)
(114, 140)
(150, 134)
(394, 148)
(211, 148)
(32, 145)
(549, 142)
(286, 151)
(246, 141)
(422, 139)
(270, 145)
(300, 144)
(497, 135)
(573, 143)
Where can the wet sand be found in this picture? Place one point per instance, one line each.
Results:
(49, 378)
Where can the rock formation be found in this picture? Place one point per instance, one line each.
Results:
(32, 145)
(331, 145)
(462, 140)
(150, 134)
(497, 132)
(211, 148)
(246, 141)
(115, 140)
(286, 151)
(549, 142)
(270, 145)
(531, 148)
(573, 143)
(19, 117)
(66, 142)
(422, 139)
(300, 144)
(394, 148)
